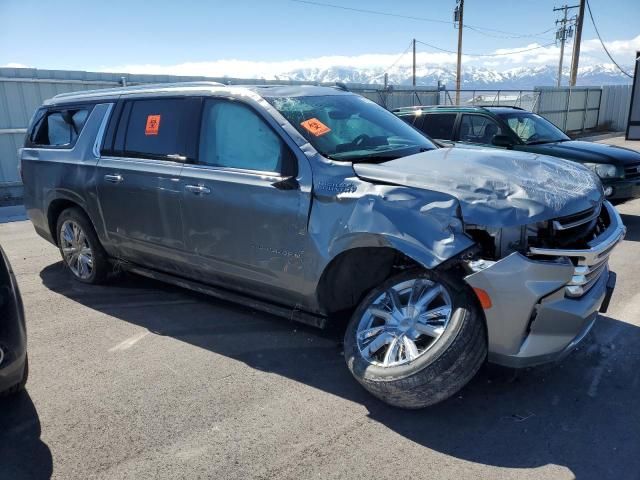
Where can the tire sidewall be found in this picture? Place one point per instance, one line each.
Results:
(361, 368)
(77, 217)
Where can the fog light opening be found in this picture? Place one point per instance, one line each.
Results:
(608, 191)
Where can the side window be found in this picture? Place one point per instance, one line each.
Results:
(233, 135)
(153, 128)
(478, 129)
(439, 125)
(59, 128)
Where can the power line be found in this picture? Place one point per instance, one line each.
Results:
(396, 61)
(529, 35)
(411, 17)
(486, 54)
(602, 42)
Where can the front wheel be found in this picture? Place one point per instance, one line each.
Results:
(416, 339)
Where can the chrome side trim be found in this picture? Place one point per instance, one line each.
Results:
(101, 130)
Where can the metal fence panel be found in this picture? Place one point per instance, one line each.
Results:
(571, 109)
(614, 111)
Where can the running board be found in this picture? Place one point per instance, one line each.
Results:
(288, 313)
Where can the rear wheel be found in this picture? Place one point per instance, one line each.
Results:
(416, 339)
(80, 248)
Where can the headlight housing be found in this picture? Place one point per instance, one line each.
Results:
(604, 170)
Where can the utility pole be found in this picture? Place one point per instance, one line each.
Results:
(458, 15)
(576, 45)
(562, 34)
(414, 63)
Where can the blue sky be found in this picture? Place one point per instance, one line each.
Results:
(148, 35)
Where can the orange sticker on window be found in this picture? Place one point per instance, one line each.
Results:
(153, 125)
(315, 127)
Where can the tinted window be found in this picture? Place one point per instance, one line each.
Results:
(154, 128)
(478, 129)
(59, 128)
(439, 125)
(235, 136)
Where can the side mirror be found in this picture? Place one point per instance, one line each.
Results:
(502, 141)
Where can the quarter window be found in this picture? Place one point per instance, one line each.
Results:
(59, 128)
(234, 136)
(439, 125)
(478, 129)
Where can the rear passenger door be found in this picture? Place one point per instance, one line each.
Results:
(139, 189)
(245, 208)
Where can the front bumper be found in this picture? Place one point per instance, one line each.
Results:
(623, 188)
(535, 316)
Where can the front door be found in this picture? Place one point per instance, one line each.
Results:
(245, 207)
(139, 189)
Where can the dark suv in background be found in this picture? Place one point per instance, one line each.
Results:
(521, 130)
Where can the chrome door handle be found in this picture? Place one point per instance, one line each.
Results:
(114, 178)
(197, 189)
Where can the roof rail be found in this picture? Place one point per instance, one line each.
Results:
(136, 88)
(408, 109)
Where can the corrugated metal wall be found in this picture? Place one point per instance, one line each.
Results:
(570, 109)
(614, 111)
(22, 91)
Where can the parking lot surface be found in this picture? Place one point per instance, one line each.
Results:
(142, 380)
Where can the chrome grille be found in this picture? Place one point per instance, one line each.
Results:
(590, 263)
(632, 171)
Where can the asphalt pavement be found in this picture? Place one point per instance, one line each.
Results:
(138, 380)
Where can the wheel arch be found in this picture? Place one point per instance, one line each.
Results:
(59, 203)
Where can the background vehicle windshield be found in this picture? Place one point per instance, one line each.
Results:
(532, 128)
(351, 128)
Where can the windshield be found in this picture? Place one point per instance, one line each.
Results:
(351, 128)
(532, 128)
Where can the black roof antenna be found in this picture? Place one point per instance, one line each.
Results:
(341, 86)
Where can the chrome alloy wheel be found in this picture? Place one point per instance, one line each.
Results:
(404, 322)
(76, 250)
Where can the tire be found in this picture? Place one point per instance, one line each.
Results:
(19, 386)
(92, 271)
(443, 361)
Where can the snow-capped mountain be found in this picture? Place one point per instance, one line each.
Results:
(473, 77)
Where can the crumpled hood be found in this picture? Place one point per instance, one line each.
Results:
(497, 188)
(588, 152)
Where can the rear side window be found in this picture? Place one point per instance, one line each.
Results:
(58, 128)
(439, 125)
(153, 128)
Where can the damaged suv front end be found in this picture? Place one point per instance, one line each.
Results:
(548, 294)
(543, 234)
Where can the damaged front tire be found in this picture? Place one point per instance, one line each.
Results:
(416, 339)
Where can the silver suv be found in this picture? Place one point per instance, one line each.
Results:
(316, 204)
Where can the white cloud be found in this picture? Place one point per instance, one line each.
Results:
(14, 65)
(623, 51)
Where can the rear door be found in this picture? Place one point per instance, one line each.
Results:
(139, 189)
(245, 206)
